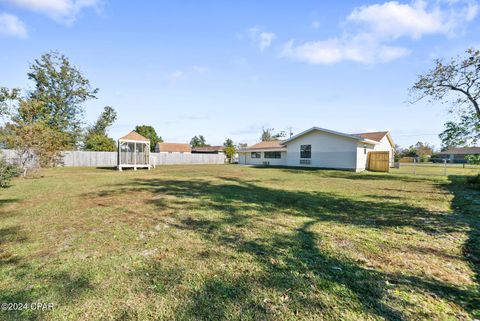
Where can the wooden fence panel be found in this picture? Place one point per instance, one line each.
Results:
(109, 159)
(379, 161)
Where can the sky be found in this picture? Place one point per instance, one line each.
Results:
(228, 68)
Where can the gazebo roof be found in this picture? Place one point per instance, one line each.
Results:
(133, 135)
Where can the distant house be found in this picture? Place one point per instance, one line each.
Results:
(457, 154)
(208, 150)
(173, 148)
(319, 147)
(263, 153)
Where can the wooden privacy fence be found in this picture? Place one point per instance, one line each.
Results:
(109, 159)
(379, 161)
(176, 158)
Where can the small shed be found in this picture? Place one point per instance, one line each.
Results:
(133, 151)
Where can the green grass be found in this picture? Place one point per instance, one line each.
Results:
(231, 242)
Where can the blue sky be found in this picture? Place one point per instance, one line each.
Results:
(227, 68)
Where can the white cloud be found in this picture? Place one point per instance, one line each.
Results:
(370, 30)
(11, 25)
(392, 20)
(263, 39)
(64, 11)
(336, 50)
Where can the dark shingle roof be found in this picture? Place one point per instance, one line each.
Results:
(462, 151)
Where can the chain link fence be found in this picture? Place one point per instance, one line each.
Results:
(435, 167)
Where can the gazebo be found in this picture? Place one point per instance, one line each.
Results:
(133, 151)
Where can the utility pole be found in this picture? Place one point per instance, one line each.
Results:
(290, 133)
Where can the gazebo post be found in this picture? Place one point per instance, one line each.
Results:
(119, 159)
(134, 156)
(147, 154)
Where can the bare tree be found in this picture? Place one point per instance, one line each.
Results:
(456, 83)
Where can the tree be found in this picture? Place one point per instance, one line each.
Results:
(7, 172)
(423, 149)
(473, 159)
(97, 138)
(228, 143)
(460, 133)
(456, 83)
(7, 97)
(150, 133)
(229, 149)
(199, 141)
(63, 90)
(105, 120)
(100, 143)
(268, 135)
(34, 141)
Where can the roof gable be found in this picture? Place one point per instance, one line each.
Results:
(359, 138)
(134, 136)
(376, 136)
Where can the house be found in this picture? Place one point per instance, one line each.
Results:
(173, 148)
(264, 153)
(319, 147)
(457, 154)
(385, 143)
(208, 150)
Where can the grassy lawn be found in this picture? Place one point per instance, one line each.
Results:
(231, 242)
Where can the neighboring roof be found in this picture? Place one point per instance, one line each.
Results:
(174, 147)
(376, 136)
(208, 149)
(461, 151)
(133, 135)
(361, 139)
(273, 145)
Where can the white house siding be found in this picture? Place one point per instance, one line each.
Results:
(385, 146)
(328, 151)
(246, 158)
(362, 157)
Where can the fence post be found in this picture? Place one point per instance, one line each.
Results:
(445, 167)
(414, 166)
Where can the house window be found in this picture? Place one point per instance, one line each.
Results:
(273, 155)
(304, 162)
(305, 151)
(365, 149)
(256, 155)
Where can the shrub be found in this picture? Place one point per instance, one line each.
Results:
(7, 172)
(475, 181)
(473, 159)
